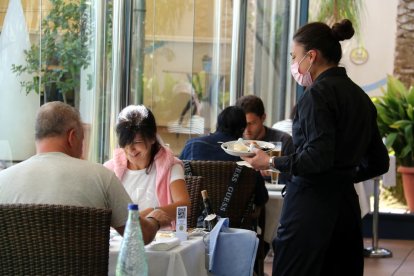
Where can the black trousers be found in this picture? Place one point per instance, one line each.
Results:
(319, 231)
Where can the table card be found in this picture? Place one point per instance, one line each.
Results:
(181, 223)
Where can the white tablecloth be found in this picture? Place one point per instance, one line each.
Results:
(275, 203)
(186, 259)
(273, 210)
(366, 189)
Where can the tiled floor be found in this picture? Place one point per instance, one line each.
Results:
(400, 264)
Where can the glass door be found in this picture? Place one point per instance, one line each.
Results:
(186, 65)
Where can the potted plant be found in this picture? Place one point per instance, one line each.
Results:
(64, 52)
(395, 122)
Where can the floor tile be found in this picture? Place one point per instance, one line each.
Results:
(400, 264)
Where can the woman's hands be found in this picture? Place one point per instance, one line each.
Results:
(161, 217)
(260, 161)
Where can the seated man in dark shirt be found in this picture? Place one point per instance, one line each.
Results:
(256, 130)
(231, 123)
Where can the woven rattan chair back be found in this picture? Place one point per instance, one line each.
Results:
(194, 187)
(53, 240)
(216, 178)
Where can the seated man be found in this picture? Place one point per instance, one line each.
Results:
(231, 123)
(256, 130)
(230, 126)
(57, 175)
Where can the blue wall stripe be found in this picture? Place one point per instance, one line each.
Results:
(372, 86)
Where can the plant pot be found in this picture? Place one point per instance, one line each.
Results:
(408, 185)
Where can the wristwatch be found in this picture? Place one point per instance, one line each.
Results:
(271, 163)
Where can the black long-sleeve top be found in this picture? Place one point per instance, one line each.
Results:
(335, 132)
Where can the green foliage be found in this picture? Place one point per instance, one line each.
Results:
(396, 118)
(64, 52)
(198, 81)
(332, 11)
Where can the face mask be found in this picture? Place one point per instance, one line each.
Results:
(302, 79)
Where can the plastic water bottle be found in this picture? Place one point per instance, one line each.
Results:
(132, 259)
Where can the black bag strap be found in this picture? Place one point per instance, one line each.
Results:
(230, 190)
(187, 168)
(222, 211)
(248, 211)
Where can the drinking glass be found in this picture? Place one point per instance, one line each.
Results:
(276, 151)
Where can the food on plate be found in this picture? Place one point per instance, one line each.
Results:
(164, 235)
(254, 144)
(245, 146)
(240, 145)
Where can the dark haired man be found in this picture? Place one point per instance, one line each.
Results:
(231, 123)
(256, 130)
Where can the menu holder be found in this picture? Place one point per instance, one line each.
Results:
(181, 223)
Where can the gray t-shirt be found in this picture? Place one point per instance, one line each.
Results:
(56, 178)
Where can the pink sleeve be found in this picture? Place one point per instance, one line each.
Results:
(110, 164)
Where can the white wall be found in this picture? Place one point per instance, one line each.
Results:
(378, 29)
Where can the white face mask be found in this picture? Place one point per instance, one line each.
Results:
(302, 79)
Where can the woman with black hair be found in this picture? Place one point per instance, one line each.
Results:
(337, 144)
(150, 173)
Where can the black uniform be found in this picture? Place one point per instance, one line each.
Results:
(337, 144)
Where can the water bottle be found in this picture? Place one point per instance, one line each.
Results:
(132, 259)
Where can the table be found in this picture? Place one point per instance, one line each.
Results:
(273, 209)
(188, 258)
(275, 203)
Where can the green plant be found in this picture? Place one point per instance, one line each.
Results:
(332, 11)
(63, 49)
(396, 119)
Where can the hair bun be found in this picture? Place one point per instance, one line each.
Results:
(343, 30)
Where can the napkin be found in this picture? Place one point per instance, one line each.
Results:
(164, 244)
(232, 251)
(388, 179)
(244, 163)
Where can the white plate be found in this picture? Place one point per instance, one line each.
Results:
(228, 148)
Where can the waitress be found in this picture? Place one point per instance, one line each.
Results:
(337, 144)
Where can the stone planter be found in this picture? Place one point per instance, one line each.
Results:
(408, 185)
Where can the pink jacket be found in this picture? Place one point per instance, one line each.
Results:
(164, 160)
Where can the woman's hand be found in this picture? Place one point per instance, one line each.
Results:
(161, 217)
(260, 161)
(146, 211)
(266, 173)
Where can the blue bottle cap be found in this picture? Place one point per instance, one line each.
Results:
(132, 206)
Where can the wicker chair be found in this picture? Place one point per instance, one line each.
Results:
(53, 240)
(216, 177)
(194, 187)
